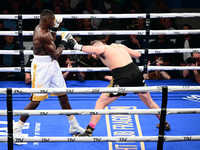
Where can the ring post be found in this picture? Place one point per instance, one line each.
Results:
(146, 51)
(162, 118)
(10, 118)
(21, 46)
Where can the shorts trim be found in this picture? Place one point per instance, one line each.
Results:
(59, 94)
(38, 98)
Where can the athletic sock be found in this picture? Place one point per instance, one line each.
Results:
(20, 124)
(92, 125)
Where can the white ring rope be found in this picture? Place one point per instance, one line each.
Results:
(101, 90)
(110, 32)
(73, 52)
(92, 16)
(101, 112)
(94, 69)
(105, 139)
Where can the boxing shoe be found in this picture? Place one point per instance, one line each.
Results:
(17, 134)
(88, 132)
(74, 127)
(167, 126)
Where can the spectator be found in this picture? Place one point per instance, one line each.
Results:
(9, 23)
(131, 22)
(57, 2)
(90, 10)
(138, 4)
(6, 60)
(154, 6)
(58, 10)
(80, 7)
(110, 23)
(15, 7)
(134, 43)
(157, 74)
(28, 74)
(74, 3)
(104, 5)
(88, 27)
(1, 29)
(193, 61)
(70, 24)
(185, 41)
(26, 6)
(66, 7)
(64, 61)
(38, 6)
(79, 23)
(169, 24)
(163, 7)
(161, 42)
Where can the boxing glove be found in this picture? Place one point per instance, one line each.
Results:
(57, 21)
(69, 42)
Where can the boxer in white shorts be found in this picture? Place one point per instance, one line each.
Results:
(45, 71)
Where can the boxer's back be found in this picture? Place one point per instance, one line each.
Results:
(38, 36)
(115, 55)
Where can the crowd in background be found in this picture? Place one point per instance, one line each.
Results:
(131, 41)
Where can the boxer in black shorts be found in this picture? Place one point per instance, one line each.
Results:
(117, 58)
(127, 76)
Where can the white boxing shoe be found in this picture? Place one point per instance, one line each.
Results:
(74, 127)
(17, 134)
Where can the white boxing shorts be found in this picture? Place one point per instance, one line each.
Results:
(46, 73)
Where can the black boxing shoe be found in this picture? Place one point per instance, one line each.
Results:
(167, 126)
(88, 132)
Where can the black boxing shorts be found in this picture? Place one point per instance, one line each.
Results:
(127, 76)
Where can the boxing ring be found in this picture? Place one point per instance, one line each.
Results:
(127, 123)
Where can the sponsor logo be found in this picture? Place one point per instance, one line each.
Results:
(17, 91)
(90, 33)
(71, 139)
(186, 112)
(195, 98)
(18, 69)
(97, 139)
(112, 17)
(74, 17)
(176, 51)
(176, 32)
(157, 51)
(43, 113)
(187, 138)
(121, 89)
(123, 113)
(93, 113)
(186, 87)
(159, 87)
(95, 90)
(122, 139)
(21, 114)
(43, 91)
(45, 139)
(195, 51)
(36, 17)
(19, 139)
(70, 91)
(140, 33)
(93, 17)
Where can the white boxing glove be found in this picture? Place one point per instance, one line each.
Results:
(58, 19)
(69, 42)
